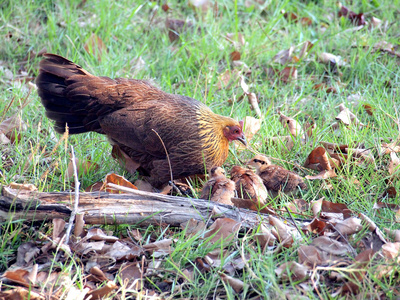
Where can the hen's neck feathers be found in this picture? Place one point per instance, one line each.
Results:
(211, 132)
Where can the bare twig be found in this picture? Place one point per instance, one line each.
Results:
(76, 201)
(166, 153)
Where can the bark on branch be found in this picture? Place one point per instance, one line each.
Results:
(106, 208)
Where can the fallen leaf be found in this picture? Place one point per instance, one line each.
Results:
(309, 255)
(391, 251)
(349, 226)
(331, 246)
(347, 117)
(394, 163)
(290, 123)
(124, 160)
(118, 180)
(284, 57)
(357, 19)
(95, 46)
(203, 5)
(292, 270)
(159, 248)
(23, 186)
(305, 49)
(235, 283)
(318, 160)
(96, 234)
(235, 55)
(83, 167)
(237, 39)
(222, 229)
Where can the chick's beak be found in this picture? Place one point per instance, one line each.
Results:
(242, 139)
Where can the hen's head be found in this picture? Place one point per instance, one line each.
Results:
(234, 131)
(259, 161)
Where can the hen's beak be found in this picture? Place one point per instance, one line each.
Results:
(242, 139)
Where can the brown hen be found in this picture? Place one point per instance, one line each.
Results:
(137, 117)
(249, 185)
(276, 178)
(219, 188)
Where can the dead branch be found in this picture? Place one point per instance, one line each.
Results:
(106, 208)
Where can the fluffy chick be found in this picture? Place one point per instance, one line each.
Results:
(219, 188)
(249, 185)
(277, 178)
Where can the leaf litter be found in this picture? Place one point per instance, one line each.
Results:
(339, 242)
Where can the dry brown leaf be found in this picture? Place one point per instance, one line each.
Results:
(159, 248)
(391, 251)
(203, 5)
(347, 117)
(331, 246)
(83, 166)
(118, 180)
(124, 160)
(394, 234)
(103, 291)
(264, 237)
(393, 164)
(11, 128)
(369, 109)
(349, 226)
(251, 127)
(26, 252)
(235, 283)
(251, 97)
(316, 206)
(290, 123)
(309, 255)
(23, 186)
(58, 228)
(236, 39)
(375, 22)
(222, 228)
(121, 251)
(131, 272)
(287, 140)
(19, 276)
(287, 74)
(193, 227)
(79, 224)
(96, 234)
(307, 46)
(95, 46)
(324, 87)
(292, 270)
(284, 233)
(21, 293)
(284, 57)
(226, 78)
(235, 55)
(318, 160)
(328, 58)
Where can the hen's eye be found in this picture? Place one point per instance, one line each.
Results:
(236, 131)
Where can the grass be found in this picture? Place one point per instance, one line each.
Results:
(191, 66)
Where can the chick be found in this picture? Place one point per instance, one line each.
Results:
(249, 185)
(276, 178)
(219, 188)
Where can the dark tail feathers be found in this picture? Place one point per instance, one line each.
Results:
(61, 87)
